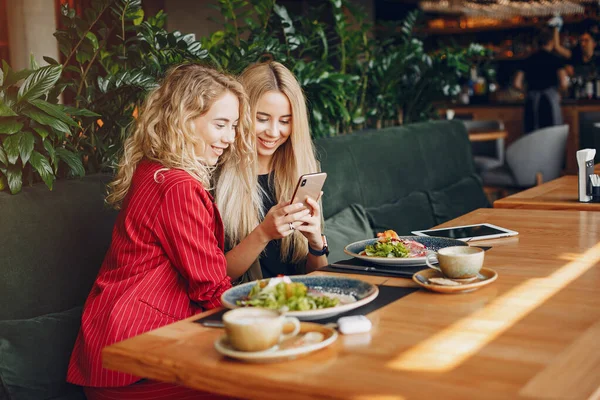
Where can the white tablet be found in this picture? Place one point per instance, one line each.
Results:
(469, 232)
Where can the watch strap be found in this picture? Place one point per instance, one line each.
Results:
(323, 252)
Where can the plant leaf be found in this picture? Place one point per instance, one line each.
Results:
(33, 63)
(3, 158)
(11, 146)
(43, 132)
(52, 154)
(51, 60)
(82, 112)
(14, 176)
(54, 111)
(72, 160)
(5, 110)
(11, 77)
(45, 119)
(39, 83)
(93, 39)
(26, 146)
(42, 166)
(9, 126)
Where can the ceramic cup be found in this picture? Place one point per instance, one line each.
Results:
(257, 329)
(457, 262)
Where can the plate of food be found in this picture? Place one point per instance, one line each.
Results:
(304, 297)
(401, 251)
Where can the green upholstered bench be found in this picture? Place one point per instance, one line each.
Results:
(52, 244)
(403, 178)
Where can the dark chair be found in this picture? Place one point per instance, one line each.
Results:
(530, 160)
(486, 155)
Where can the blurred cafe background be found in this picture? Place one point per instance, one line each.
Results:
(416, 61)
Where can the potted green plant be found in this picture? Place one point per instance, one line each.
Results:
(35, 131)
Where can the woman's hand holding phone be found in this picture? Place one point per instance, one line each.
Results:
(280, 218)
(311, 224)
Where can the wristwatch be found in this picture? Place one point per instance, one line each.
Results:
(323, 252)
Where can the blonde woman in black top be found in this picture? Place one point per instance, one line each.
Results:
(286, 238)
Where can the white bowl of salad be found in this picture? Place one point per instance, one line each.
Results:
(306, 297)
(403, 251)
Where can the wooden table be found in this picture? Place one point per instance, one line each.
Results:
(532, 333)
(475, 136)
(559, 194)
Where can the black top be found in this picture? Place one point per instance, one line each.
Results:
(270, 261)
(581, 67)
(541, 70)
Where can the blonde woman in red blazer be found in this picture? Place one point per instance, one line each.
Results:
(166, 261)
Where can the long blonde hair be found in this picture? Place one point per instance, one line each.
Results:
(164, 130)
(297, 155)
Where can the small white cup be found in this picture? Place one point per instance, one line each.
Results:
(257, 329)
(450, 114)
(457, 262)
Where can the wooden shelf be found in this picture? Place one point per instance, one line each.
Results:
(500, 27)
(455, 30)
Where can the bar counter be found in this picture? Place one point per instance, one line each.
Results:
(580, 115)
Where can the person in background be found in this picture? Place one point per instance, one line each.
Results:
(544, 74)
(582, 60)
(166, 261)
(285, 238)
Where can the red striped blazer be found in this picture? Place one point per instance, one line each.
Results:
(165, 263)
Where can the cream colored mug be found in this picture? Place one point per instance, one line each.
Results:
(257, 329)
(457, 262)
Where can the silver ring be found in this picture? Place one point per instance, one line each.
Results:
(291, 226)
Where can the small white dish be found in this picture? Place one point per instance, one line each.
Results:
(289, 349)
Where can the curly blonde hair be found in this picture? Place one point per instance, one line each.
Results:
(164, 130)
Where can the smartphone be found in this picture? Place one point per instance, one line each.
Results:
(309, 185)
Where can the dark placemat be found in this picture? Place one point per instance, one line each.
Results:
(372, 269)
(387, 295)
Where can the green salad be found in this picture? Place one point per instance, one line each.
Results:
(387, 247)
(293, 296)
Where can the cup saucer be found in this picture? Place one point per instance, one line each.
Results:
(487, 276)
(311, 337)
(464, 280)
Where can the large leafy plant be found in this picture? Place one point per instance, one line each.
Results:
(35, 131)
(113, 57)
(351, 80)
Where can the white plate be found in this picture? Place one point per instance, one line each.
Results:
(283, 351)
(363, 292)
(430, 243)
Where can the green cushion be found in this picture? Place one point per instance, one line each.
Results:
(458, 199)
(34, 356)
(448, 154)
(341, 187)
(410, 213)
(53, 244)
(378, 167)
(348, 226)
